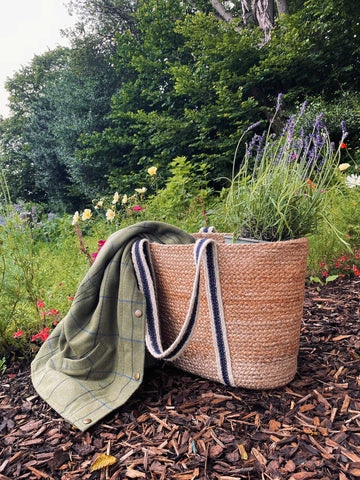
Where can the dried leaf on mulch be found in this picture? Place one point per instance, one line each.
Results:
(178, 426)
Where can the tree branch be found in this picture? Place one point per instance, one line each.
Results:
(221, 11)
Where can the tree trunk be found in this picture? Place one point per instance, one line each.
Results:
(282, 7)
(263, 11)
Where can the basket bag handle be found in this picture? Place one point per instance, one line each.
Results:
(205, 252)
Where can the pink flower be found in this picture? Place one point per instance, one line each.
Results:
(137, 208)
(18, 334)
(71, 299)
(101, 243)
(40, 304)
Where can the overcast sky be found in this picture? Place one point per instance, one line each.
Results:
(28, 28)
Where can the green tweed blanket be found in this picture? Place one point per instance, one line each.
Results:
(94, 359)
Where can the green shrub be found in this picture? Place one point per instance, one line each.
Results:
(182, 200)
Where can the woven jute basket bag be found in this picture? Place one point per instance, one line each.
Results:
(262, 291)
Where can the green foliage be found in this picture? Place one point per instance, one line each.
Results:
(331, 278)
(2, 365)
(185, 193)
(181, 98)
(325, 248)
(147, 81)
(313, 51)
(25, 88)
(37, 261)
(345, 107)
(40, 138)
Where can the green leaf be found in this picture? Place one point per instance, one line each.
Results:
(331, 278)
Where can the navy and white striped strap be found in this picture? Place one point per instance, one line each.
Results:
(207, 230)
(205, 250)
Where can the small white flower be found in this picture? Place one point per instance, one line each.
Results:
(141, 190)
(116, 198)
(99, 204)
(124, 199)
(353, 181)
(76, 218)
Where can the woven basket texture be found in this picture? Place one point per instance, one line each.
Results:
(262, 289)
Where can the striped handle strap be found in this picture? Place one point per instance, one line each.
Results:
(205, 251)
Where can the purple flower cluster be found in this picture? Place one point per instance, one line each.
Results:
(313, 149)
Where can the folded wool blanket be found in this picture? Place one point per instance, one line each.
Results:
(94, 359)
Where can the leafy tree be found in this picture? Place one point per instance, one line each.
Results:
(25, 88)
(181, 94)
(51, 108)
(77, 102)
(102, 20)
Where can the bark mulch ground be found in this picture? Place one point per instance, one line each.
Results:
(181, 427)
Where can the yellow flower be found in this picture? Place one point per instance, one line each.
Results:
(152, 170)
(124, 199)
(110, 215)
(343, 166)
(141, 190)
(75, 218)
(86, 214)
(116, 198)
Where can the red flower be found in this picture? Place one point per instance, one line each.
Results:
(40, 304)
(18, 334)
(71, 299)
(356, 271)
(43, 335)
(54, 311)
(343, 145)
(310, 183)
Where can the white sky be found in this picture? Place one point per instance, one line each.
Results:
(28, 28)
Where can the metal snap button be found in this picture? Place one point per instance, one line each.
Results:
(138, 313)
(87, 420)
(137, 376)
